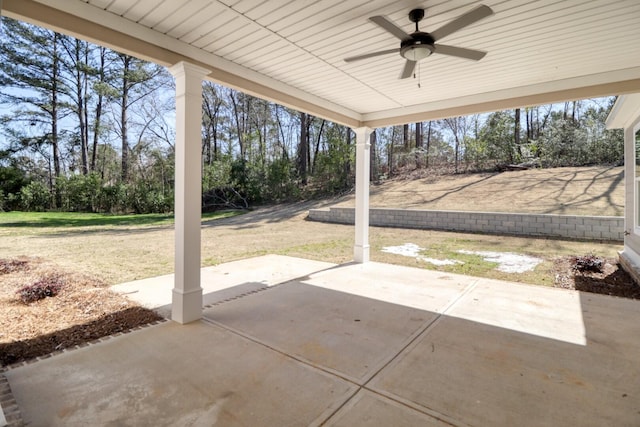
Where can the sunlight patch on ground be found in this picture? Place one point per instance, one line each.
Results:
(412, 250)
(507, 262)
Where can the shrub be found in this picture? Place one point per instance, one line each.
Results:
(46, 287)
(79, 193)
(588, 263)
(35, 196)
(113, 198)
(11, 265)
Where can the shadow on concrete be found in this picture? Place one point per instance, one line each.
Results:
(373, 345)
(449, 367)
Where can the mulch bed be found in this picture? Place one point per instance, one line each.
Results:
(595, 274)
(83, 310)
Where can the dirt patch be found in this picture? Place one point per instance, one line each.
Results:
(609, 278)
(83, 310)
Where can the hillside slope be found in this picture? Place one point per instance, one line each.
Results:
(593, 190)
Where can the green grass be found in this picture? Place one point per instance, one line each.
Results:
(80, 219)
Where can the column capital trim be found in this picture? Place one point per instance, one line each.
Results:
(363, 129)
(184, 67)
(362, 135)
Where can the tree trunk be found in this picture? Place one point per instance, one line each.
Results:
(390, 159)
(405, 136)
(263, 141)
(97, 123)
(239, 125)
(303, 148)
(86, 108)
(347, 160)
(126, 61)
(308, 143)
(315, 154)
(418, 143)
(390, 151)
(516, 132)
(373, 170)
(80, 86)
(281, 129)
(426, 160)
(55, 149)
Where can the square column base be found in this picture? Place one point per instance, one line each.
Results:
(361, 253)
(186, 307)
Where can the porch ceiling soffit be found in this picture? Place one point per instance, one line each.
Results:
(149, 45)
(625, 112)
(521, 36)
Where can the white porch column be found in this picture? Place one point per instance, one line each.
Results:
(361, 248)
(187, 293)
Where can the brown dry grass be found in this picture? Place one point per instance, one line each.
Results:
(594, 190)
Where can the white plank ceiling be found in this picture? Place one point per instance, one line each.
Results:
(296, 48)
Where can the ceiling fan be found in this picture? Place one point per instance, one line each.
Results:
(419, 45)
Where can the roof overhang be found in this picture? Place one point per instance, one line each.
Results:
(625, 112)
(517, 72)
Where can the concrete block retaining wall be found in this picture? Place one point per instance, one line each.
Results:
(609, 228)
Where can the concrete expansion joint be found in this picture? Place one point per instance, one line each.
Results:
(421, 332)
(462, 294)
(246, 294)
(425, 329)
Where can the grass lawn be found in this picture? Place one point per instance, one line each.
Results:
(120, 248)
(81, 219)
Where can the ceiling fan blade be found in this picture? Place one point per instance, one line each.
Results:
(462, 21)
(460, 52)
(371, 55)
(384, 22)
(409, 66)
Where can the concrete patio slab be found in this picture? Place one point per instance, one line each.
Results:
(345, 334)
(236, 278)
(547, 312)
(353, 318)
(503, 356)
(430, 290)
(367, 409)
(355, 345)
(172, 375)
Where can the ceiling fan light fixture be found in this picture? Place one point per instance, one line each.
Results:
(416, 52)
(419, 45)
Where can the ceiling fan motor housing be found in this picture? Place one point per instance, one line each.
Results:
(416, 15)
(417, 46)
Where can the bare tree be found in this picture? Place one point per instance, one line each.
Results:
(211, 110)
(135, 80)
(458, 128)
(303, 148)
(516, 132)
